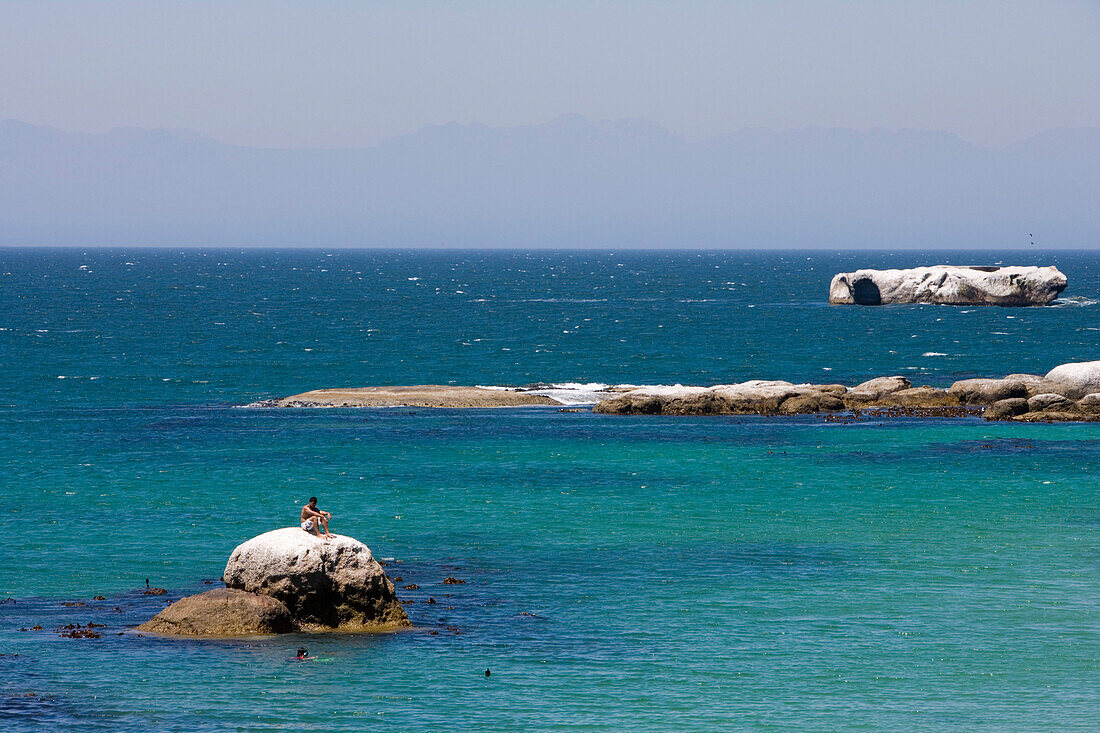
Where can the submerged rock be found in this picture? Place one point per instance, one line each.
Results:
(222, 612)
(333, 584)
(949, 285)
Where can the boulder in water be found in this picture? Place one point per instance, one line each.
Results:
(812, 403)
(1006, 409)
(949, 285)
(882, 385)
(1034, 383)
(334, 584)
(222, 612)
(1089, 404)
(987, 391)
(1048, 402)
(1075, 380)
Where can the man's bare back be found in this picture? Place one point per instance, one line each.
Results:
(313, 519)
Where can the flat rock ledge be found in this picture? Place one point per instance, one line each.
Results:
(949, 285)
(290, 580)
(424, 395)
(1068, 393)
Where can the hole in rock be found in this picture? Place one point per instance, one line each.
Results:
(865, 292)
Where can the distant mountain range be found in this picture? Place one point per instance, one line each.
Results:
(571, 182)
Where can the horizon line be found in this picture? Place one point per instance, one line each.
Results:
(610, 250)
(564, 116)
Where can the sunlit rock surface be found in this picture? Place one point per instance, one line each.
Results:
(949, 285)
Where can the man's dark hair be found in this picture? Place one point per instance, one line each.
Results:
(313, 500)
(302, 652)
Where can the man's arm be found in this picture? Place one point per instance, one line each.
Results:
(310, 513)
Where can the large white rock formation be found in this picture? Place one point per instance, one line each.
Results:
(1075, 380)
(334, 584)
(949, 285)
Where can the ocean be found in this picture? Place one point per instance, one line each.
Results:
(644, 572)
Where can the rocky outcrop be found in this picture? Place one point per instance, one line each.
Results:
(289, 580)
(1075, 380)
(949, 285)
(424, 395)
(1047, 407)
(333, 584)
(1024, 397)
(755, 397)
(222, 612)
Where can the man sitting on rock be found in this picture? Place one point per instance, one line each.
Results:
(313, 519)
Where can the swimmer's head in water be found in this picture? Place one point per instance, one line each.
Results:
(302, 652)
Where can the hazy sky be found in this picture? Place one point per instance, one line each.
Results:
(336, 74)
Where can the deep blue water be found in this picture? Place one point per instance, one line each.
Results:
(733, 573)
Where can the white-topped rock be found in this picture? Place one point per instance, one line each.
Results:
(883, 385)
(1075, 380)
(949, 285)
(335, 583)
(754, 397)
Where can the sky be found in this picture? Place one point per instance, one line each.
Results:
(350, 74)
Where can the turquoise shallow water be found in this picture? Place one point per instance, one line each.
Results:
(696, 574)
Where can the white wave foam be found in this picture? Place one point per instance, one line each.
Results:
(1076, 301)
(565, 393)
(933, 353)
(560, 300)
(576, 394)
